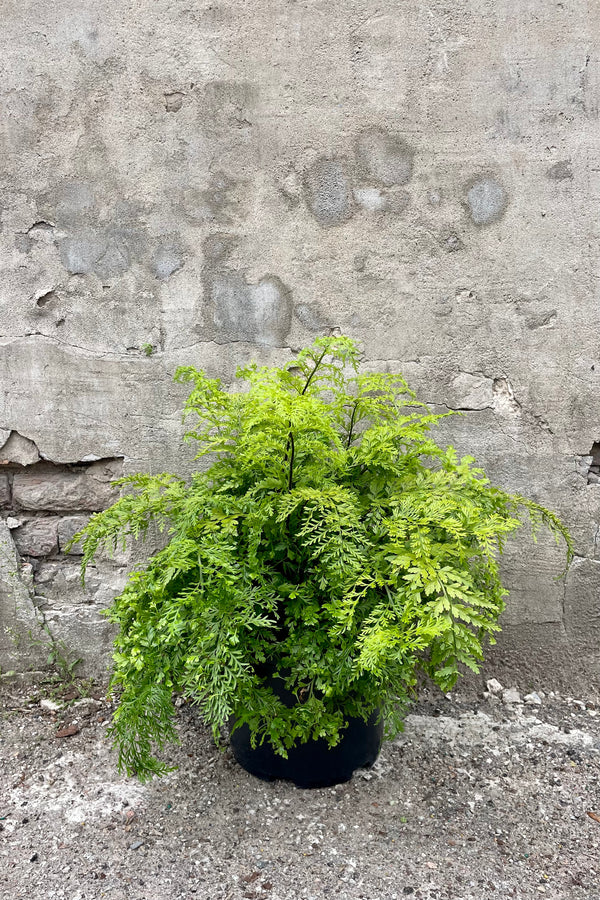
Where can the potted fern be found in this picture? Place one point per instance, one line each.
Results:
(327, 552)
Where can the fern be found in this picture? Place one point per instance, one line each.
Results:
(329, 551)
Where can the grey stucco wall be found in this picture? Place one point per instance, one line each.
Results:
(225, 180)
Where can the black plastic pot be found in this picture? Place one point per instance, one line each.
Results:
(312, 765)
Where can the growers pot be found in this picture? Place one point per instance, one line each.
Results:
(313, 764)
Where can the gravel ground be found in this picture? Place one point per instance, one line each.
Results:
(477, 799)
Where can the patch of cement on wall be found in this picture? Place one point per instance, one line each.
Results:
(105, 252)
(560, 171)
(328, 192)
(168, 259)
(95, 231)
(217, 247)
(312, 318)
(20, 450)
(376, 200)
(173, 101)
(82, 250)
(371, 199)
(239, 311)
(384, 157)
(486, 200)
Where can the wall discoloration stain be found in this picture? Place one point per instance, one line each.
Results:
(561, 171)
(259, 314)
(328, 192)
(384, 157)
(486, 200)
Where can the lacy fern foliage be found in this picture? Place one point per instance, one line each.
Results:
(328, 551)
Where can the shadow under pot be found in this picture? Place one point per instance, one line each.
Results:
(313, 764)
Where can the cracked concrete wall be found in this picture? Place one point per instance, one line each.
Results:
(207, 183)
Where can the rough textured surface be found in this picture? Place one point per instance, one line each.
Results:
(207, 183)
(69, 490)
(474, 800)
(37, 537)
(23, 641)
(45, 611)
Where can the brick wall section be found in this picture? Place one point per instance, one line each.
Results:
(43, 487)
(36, 495)
(44, 505)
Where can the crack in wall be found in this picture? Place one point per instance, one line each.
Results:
(92, 352)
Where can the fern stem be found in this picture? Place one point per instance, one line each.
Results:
(291, 469)
(310, 377)
(451, 611)
(289, 449)
(351, 425)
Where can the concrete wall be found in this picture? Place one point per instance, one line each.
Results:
(207, 182)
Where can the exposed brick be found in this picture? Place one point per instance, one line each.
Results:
(46, 488)
(67, 527)
(59, 583)
(36, 537)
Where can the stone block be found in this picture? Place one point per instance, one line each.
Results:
(85, 637)
(470, 392)
(22, 640)
(4, 490)
(66, 490)
(104, 582)
(58, 584)
(68, 527)
(37, 537)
